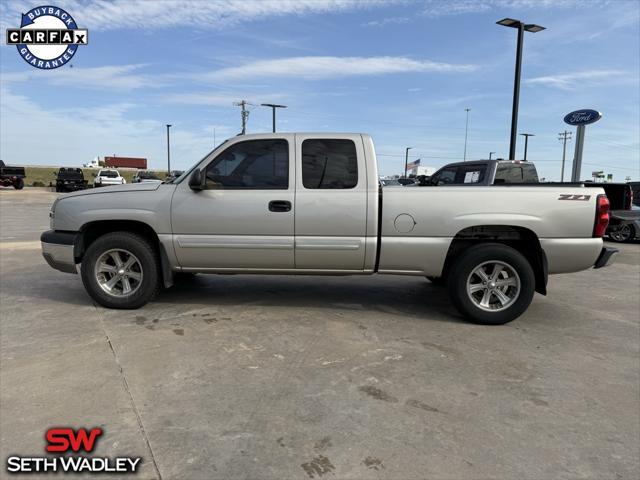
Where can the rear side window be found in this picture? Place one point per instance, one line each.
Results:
(329, 164)
(508, 173)
(529, 173)
(516, 173)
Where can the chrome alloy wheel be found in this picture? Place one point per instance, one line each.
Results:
(493, 286)
(118, 272)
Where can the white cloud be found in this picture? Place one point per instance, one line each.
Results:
(217, 100)
(149, 14)
(333, 67)
(32, 134)
(111, 77)
(387, 21)
(438, 8)
(568, 80)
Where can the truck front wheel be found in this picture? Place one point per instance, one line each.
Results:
(491, 284)
(18, 183)
(121, 270)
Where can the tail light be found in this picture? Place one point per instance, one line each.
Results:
(629, 199)
(602, 216)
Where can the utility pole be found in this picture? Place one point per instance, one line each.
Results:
(466, 131)
(244, 114)
(168, 151)
(563, 137)
(406, 160)
(526, 143)
(491, 153)
(273, 112)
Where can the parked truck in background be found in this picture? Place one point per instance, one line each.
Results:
(311, 203)
(69, 179)
(484, 172)
(11, 176)
(624, 225)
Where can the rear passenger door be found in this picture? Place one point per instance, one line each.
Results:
(331, 203)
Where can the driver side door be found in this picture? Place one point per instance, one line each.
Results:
(244, 218)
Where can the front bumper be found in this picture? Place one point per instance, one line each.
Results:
(606, 257)
(58, 250)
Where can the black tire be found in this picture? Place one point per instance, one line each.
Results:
(624, 235)
(18, 184)
(437, 281)
(472, 258)
(149, 265)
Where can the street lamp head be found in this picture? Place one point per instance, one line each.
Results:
(533, 28)
(509, 22)
(168, 125)
(272, 105)
(513, 23)
(527, 134)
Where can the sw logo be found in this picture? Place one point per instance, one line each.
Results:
(48, 37)
(584, 198)
(65, 440)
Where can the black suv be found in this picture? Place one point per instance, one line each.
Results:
(70, 179)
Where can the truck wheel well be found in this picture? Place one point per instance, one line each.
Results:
(93, 230)
(521, 239)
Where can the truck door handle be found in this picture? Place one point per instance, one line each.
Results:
(279, 206)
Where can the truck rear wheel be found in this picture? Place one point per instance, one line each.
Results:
(491, 284)
(18, 183)
(121, 270)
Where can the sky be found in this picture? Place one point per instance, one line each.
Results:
(402, 71)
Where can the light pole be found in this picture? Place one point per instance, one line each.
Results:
(526, 143)
(168, 151)
(466, 131)
(406, 160)
(273, 112)
(491, 153)
(529, 27)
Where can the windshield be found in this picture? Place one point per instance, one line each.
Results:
(109, 173)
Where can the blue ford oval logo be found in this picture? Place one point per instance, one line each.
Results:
(582, 117)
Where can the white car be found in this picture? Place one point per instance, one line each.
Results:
(107, 177)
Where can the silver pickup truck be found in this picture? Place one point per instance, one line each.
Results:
(312, 204)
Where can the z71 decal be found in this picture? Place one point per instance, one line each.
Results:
(566, 196)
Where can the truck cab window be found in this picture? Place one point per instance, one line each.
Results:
(252, 165)
(329, 163)
(444, 177)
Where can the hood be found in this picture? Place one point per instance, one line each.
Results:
(129, 187)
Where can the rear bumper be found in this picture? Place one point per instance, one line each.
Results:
(606, 257)
(58, 250)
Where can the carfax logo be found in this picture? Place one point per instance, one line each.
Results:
(48, 37)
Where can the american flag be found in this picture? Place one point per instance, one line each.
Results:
(413, 164)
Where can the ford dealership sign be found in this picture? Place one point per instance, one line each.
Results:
(582, 117)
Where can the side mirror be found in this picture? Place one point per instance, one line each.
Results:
(196, 180)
